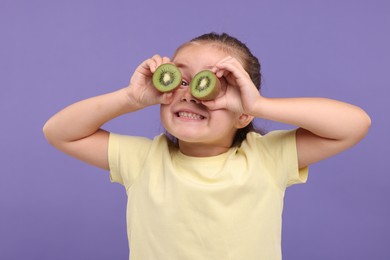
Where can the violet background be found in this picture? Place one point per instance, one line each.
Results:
(53, 53)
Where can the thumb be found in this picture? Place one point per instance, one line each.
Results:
(166, 98)
(214, 104)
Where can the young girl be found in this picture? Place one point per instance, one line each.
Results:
(215, 189)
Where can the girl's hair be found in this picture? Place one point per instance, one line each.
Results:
(250, 63)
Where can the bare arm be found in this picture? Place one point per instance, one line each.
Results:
(76, 130)
(326, 127)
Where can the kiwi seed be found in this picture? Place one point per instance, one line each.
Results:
(205, 85)
(167, 77)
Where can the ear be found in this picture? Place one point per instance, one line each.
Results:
(243, 121)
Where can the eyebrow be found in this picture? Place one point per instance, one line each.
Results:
(210, 66)
(181, 65)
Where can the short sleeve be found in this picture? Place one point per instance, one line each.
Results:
(126, 156)
(294, 174)
(280, 149)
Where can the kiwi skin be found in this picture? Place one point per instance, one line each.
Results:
(208, 92)
(167, 77)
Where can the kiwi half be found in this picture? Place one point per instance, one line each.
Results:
(167, 77)
(205, 85)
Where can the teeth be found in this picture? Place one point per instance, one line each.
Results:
(190, 115)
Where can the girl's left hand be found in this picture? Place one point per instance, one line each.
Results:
(238, 93)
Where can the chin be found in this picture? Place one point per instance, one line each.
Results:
(187, 138)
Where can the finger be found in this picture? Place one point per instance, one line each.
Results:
(220, 72)
(214, 104)
(166, 60)
(231, 64)
(210, 104)
(236, 73)
(232, 70)
(149, 65)
(217, 69)
(225, 59)
(146, 67)
(157, 58)
(156, 61)
(166, 98)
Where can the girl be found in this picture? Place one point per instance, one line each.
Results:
(215, 189)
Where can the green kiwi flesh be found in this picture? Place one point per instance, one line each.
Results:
(166, 78)
(205, 85)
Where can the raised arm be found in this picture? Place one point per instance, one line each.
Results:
(76, 130)
(326, 127)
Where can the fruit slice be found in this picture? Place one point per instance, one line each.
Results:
(167, 77)
(205, 85)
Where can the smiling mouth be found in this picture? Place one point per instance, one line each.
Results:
(189, 115)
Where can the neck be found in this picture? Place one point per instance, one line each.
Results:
(201, 150)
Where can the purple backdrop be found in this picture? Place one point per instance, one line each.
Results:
(54, 53)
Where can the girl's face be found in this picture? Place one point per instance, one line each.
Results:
(192, 123)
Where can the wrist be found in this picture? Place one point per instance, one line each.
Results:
(259, 107)
(130, 101)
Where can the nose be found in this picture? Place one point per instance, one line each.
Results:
(187, 96)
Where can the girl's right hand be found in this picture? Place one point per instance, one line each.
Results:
(141, 91)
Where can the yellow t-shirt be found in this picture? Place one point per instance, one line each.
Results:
(225, 207)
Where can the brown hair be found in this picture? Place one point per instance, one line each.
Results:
(234, 47)
(250, 63)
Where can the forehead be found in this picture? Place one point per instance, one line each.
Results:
(199, 52)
